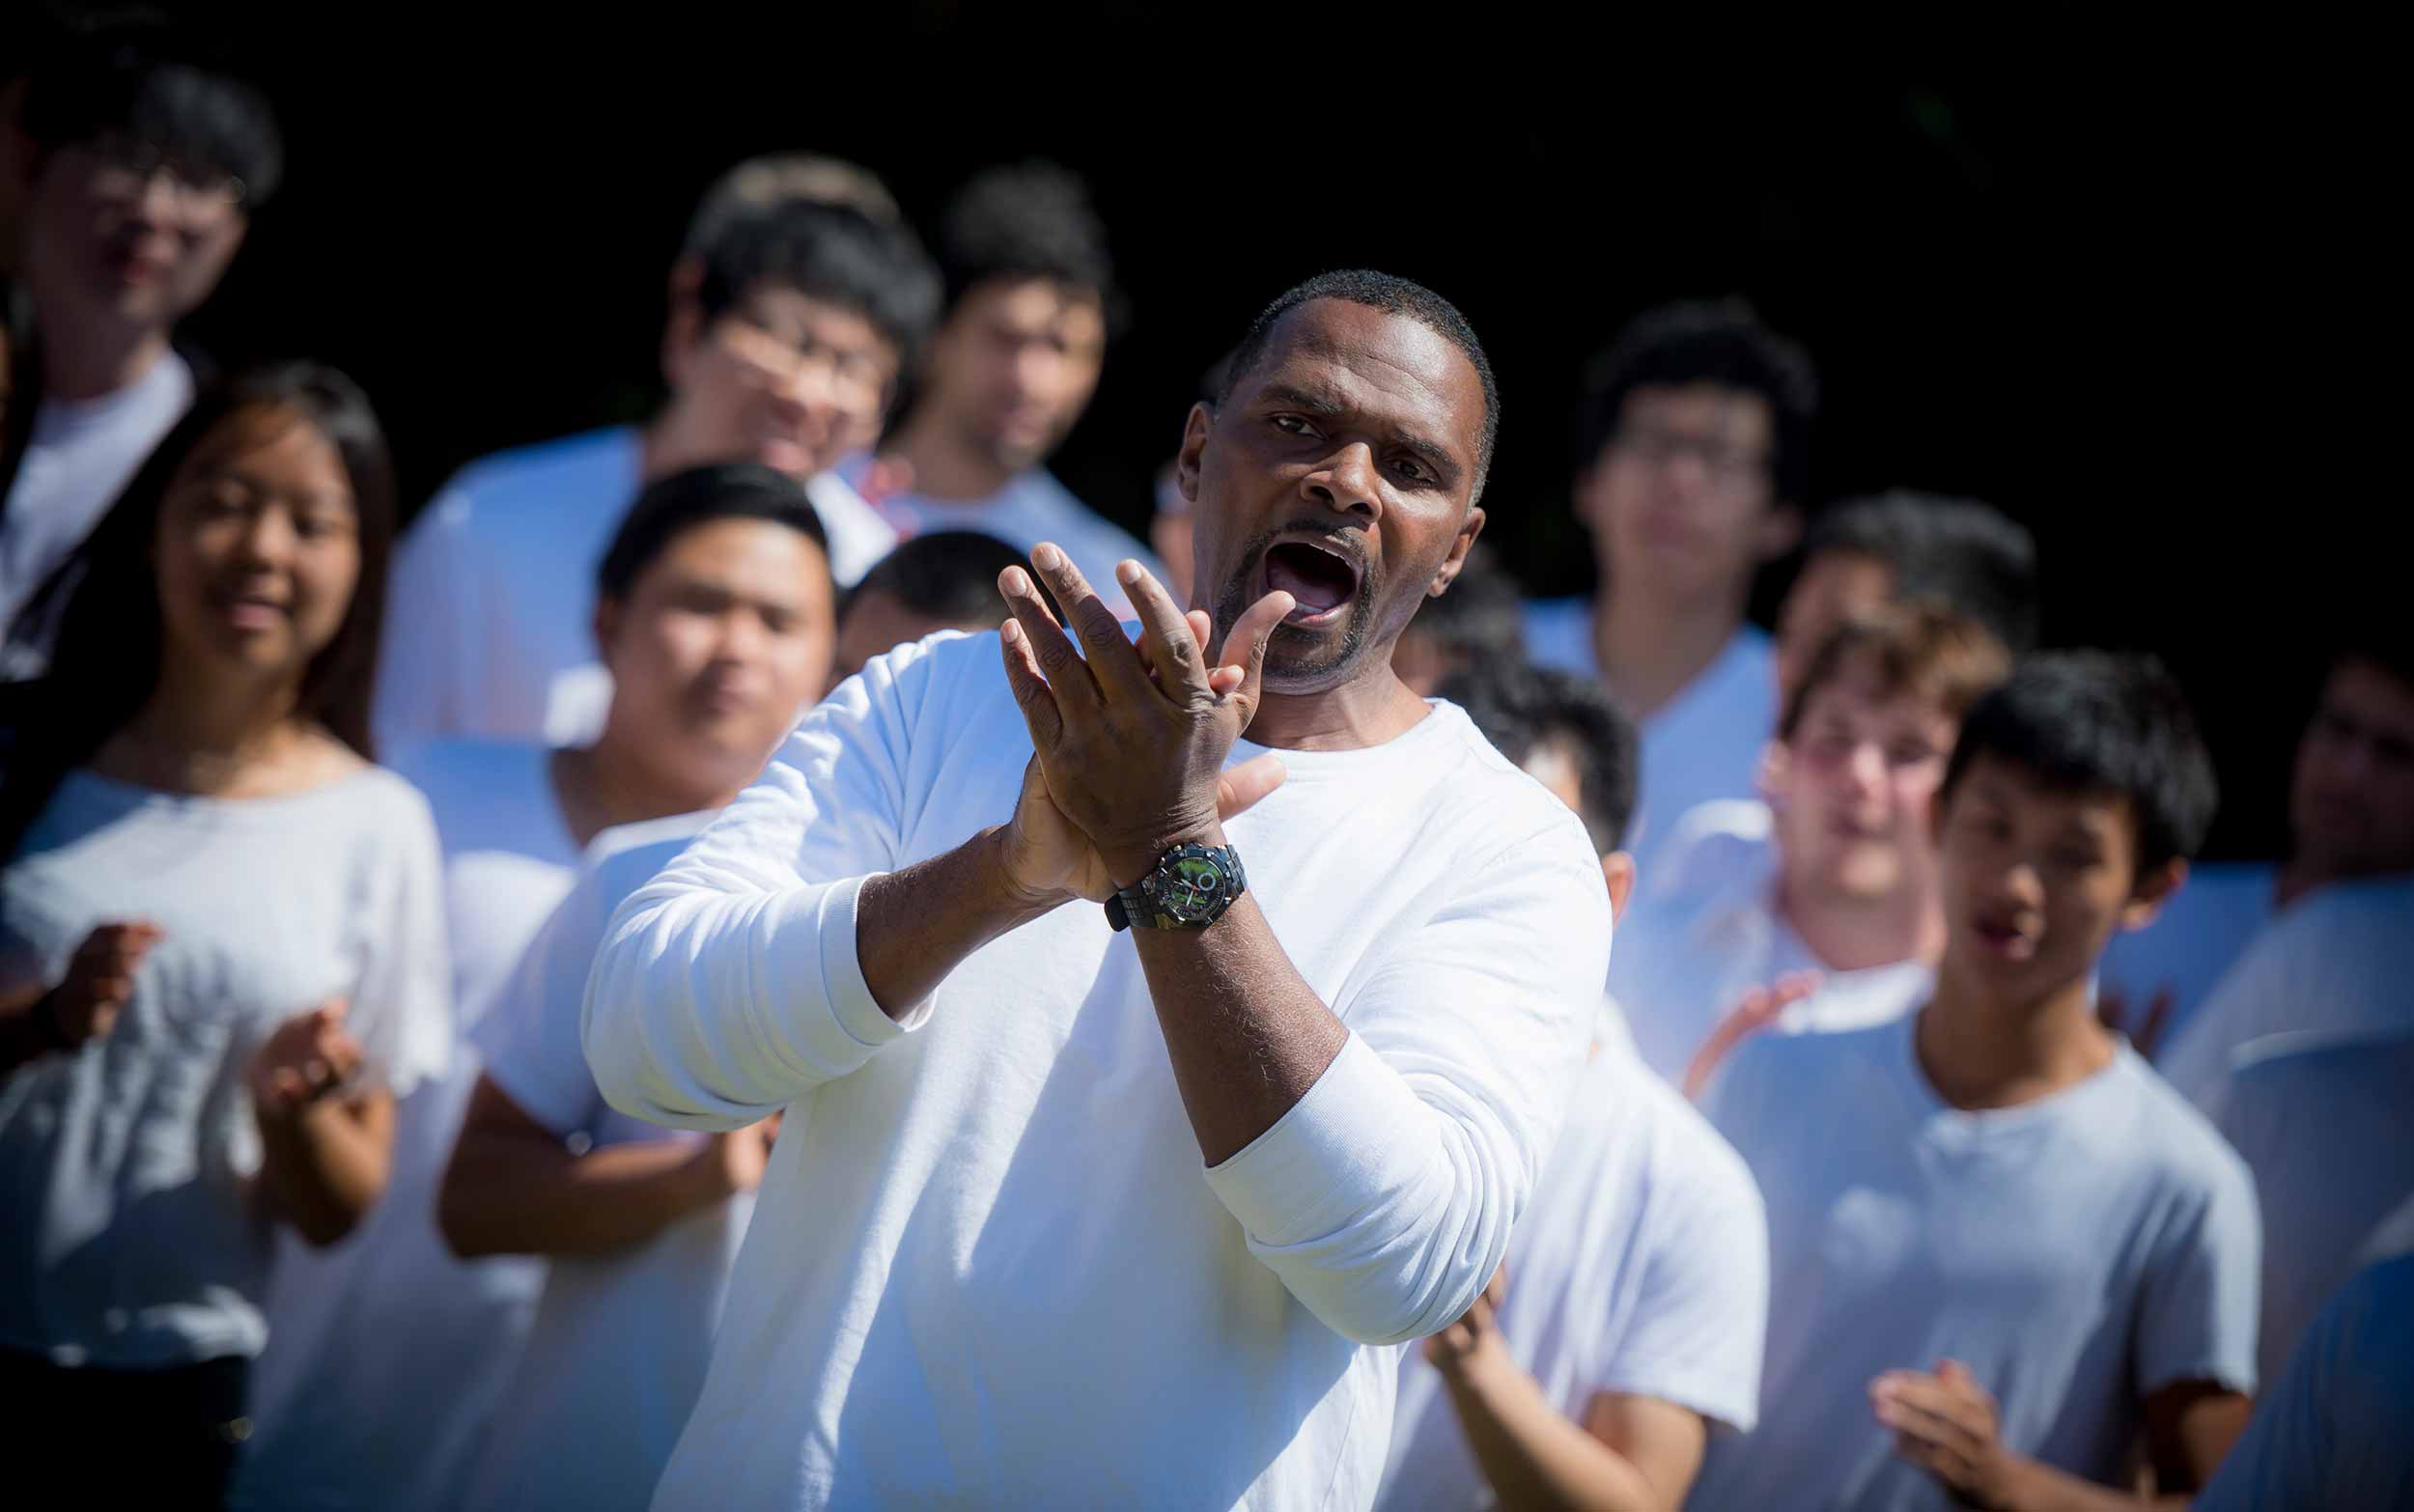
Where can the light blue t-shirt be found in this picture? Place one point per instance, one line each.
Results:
(2077, 1254)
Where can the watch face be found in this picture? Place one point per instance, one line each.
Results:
(1190, 887)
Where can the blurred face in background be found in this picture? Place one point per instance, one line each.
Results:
(2351, 799)
(1853, 788)
(117, 239)
(258, 550)
(723, 639)
(1684, 494)
(782, 378)
(1013, 367)
(1832, 587)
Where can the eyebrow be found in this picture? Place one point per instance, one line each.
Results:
(1325, 406)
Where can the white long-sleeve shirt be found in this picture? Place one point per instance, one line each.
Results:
(986, 1267)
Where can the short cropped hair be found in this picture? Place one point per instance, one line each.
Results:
(1521, 708)
(1919, 649)
(182, 101)
(1481, 619)
(761, 184)
(2101, 722)
(1026, 220)
(670, 506)
(830, 253)
(1967, 556)
(1392, 295)
(947, 577)
(1719, 343)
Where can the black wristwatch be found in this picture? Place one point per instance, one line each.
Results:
(1190, 887)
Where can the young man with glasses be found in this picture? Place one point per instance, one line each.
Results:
(1690, 475)
(140, 167)
(787, 328)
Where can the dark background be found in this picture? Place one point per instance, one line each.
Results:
(2100, 292)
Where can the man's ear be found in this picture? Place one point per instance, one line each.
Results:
(1186, 462)
(1777, 532)
(1617, 869)
(1456, 562)
(679, 334)
(1775, 773)
(606, 627)
(2153, 889)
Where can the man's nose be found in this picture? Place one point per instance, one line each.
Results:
(1346, 482)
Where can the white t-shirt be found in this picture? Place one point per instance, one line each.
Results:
(1702, 745)
(2323, 1120)
(78, 456)
(2332, 1434)
(1641, 1267)
(621, 1341)
(986, 1265)
(2338, 960)
(2078, 1254)
(2200, 933)
(489, 620)
(389, 1318)
(1712, 933)
(1031, 508)
(125, 1238)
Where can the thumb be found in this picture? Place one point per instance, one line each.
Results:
(330, 1013)
(1240, 789)
(1248, 645)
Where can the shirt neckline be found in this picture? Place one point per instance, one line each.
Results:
(1983, 1122)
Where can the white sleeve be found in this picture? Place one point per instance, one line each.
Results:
(729, 986)
(2198, 1317)
(401, 1011)
(1384, 1198)
(420, 642)
(1698, 1332)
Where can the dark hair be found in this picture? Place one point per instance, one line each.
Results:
(1519, 707)
(670, 506)
(1966, 555)
(1393, 296)
(164, 89)
(834, 253)
(2094, 721)
(1482, 618)
(1027, 220)
(947, 577)
(1921, 648)
(1719, 343)
(2376, 637)
(775, 179)
(104, 599)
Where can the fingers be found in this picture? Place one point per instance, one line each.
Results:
(1051, 650)
(1242, 787)
(1792, 987)
(1246, 648)
(1110, 658)
(1169, 638)
(1033, 694)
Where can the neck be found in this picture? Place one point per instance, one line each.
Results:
(671, 444)
(1651, 652)
(1367, 710)
(103, 359)
(1979, 1050)
(1850, 934)
(194, 731)
(606, 784)
(945, 465)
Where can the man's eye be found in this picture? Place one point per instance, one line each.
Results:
(1293, 425)
(1415, 471)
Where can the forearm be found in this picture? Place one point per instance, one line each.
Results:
(2038, 1487)
(1533, 1456)
(325, 1165)
(521, 1194)
(914, 926)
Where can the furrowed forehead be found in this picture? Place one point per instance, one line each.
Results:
(1341, 356)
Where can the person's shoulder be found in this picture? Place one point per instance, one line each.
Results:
(441, 768)
(2303, 1064)
(1714, 848)
(2166, 1133)
(1491, 794)
(534, 476)
(1685, 1152)
(644, 847)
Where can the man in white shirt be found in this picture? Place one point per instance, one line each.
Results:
(1030, 305)
(1691, 474)
(1837, 873)
(146, 164)
(2320, 1119)
(1626, 1325)
(2350, 816)
(985, 1264)
(786, 352)
(2001, 1247)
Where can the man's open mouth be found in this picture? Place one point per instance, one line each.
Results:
(1321, 579)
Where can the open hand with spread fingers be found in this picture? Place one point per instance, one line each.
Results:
(1129, 737)
(1948, 1425)
(309, 1056)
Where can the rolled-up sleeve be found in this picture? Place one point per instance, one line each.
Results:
(728, 986)
(1385, 1197)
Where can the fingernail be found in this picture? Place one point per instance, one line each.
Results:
(1047, 556)
(1129, 573)
(1011, 632)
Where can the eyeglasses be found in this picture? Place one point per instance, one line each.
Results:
(784, 353)
(1727, 462)
(125, 168)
